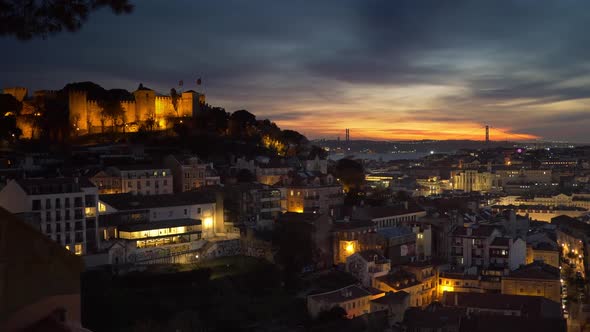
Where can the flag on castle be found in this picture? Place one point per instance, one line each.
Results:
(199, 81)
(180, 83)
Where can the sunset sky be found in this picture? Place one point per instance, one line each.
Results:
(386, 69)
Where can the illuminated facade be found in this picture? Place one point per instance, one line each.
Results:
(473, 180)
(349, 237)
(422, 288)
(314, 198)
(85, 114)
(535, 279)
(573, 237)
(543, 252)
(150, 229)
(354, 299)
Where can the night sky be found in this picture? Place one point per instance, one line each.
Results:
(386, 69)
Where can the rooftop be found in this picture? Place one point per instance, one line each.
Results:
(144, 226)
(476, 231)
(140, 202)
(399, 279)
(344, 294)
(373, 256)
(392, 298)
(536, 270)
(393, 232)
(54, 185)
(377, 212)
(527, 305)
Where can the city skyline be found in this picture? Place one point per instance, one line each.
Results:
(387, 71)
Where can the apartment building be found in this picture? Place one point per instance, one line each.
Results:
(190, 173)
(135, 179)
(64, 209)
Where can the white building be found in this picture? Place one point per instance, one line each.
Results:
(139, 228)
(64, 209)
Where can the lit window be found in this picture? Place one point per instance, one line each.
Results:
(78, 248)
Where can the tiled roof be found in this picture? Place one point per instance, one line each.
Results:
(527, 305)
(399, 279)
(535, 270)
(392, 298)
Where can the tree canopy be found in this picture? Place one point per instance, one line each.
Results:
(26, 20)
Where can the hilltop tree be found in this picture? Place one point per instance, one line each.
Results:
(175, 96)
(241, 123)
(111, 109)
(10, 108)
(351, 174)
(26, 20)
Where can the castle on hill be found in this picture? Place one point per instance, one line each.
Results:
(86, 115)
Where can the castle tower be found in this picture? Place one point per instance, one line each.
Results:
(145, 104)
(77, 103)
(17, 92)
(191, 103)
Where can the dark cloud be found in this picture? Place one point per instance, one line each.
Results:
(283, 59)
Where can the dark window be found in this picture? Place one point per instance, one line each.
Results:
(58, 203)
(165, 182)
(58, 227)
(78, 214)
(36, 204)
(48, 216)
(67, 202)
(78, 225)
(67, 227)
(198, 210)
(68, 240)
(79, 237)
(48, 203)
(78, 202)
(185, 212)
(67, 215)
(48, 228)
(147, 183)
(58, 237)
(89, 199)
(90, 223)
(57, 216)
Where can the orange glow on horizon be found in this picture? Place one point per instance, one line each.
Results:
(402, 131)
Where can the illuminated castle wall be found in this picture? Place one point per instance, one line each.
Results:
(85, 114)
